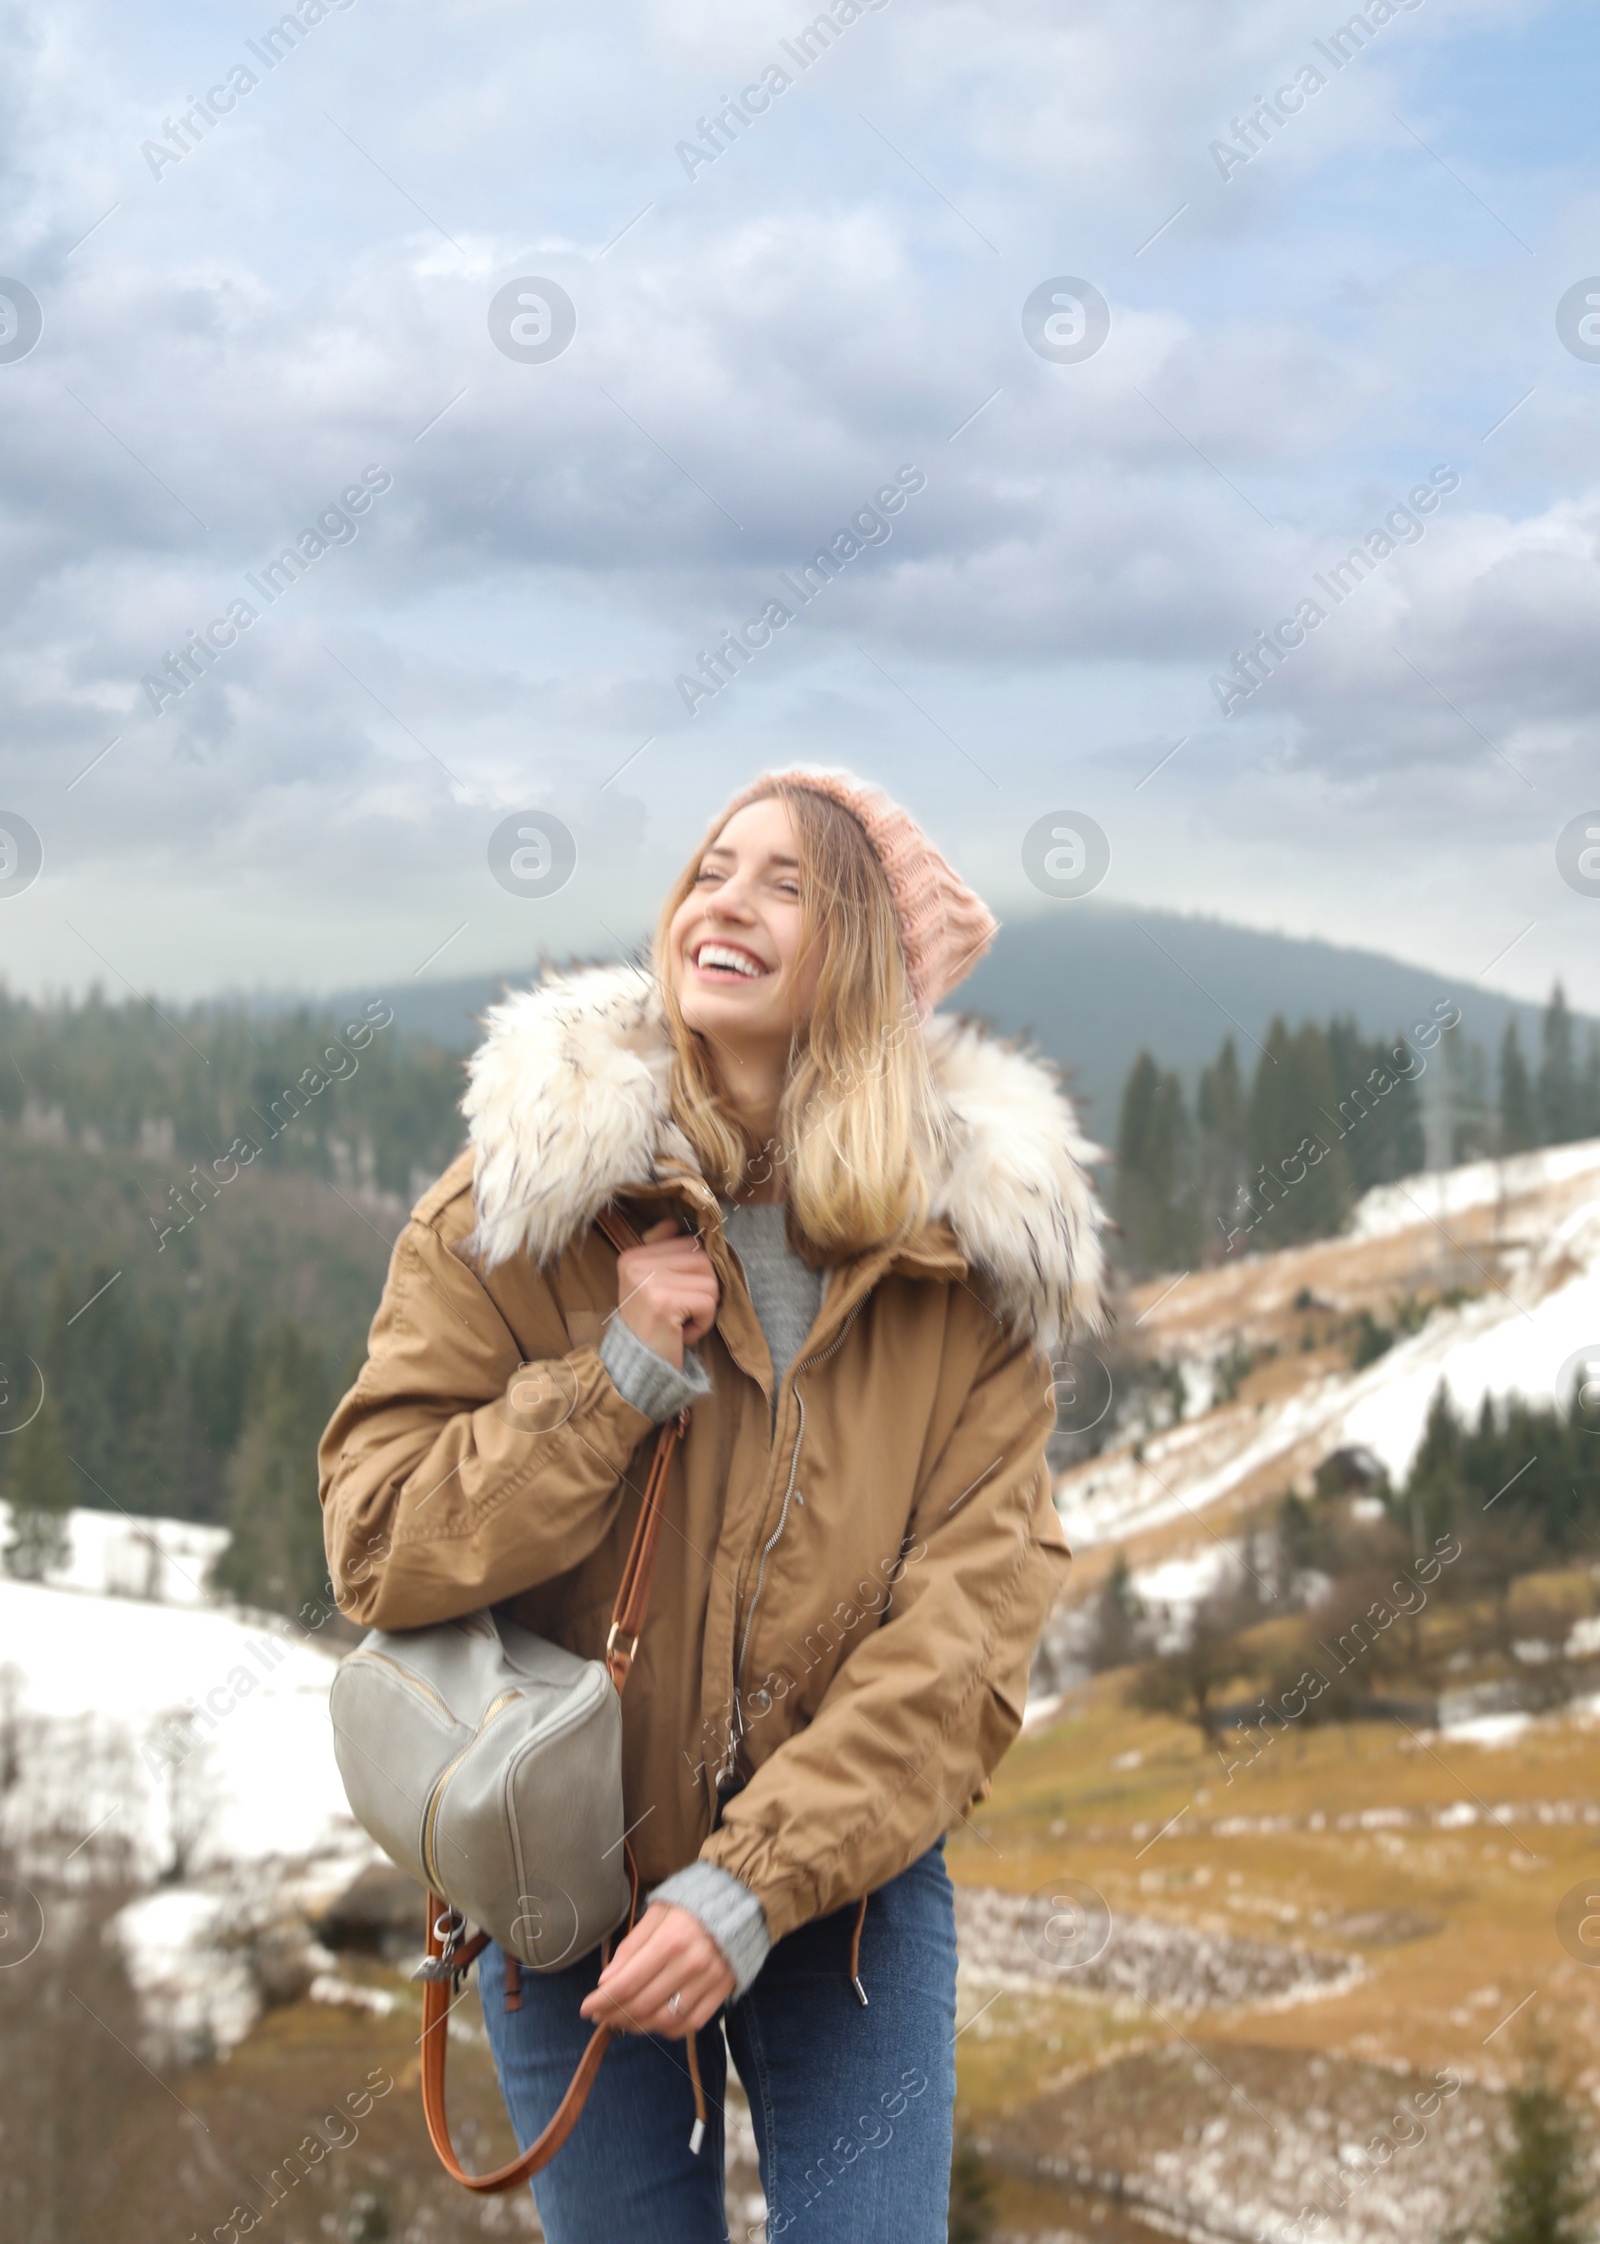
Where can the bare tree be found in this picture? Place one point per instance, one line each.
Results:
(186, 1767)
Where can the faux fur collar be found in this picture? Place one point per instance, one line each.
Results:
(568, 1103)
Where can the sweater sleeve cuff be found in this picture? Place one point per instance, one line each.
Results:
(647, 1380)
(729, 1911)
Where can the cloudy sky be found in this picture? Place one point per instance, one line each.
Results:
(349, 272)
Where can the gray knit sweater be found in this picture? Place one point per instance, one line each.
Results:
(786, 1296)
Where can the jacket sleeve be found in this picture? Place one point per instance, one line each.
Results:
(908, 1732)
(452, 1474)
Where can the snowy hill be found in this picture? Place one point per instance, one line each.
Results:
(1513, 1248)
(187, 1751)
(201, 1737)
(114, 1554)
(1520, 1239)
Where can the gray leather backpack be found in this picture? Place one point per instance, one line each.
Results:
(487, 1764)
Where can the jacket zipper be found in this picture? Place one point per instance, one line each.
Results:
(767, 1549)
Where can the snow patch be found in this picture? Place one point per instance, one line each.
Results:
(134, 1719)
(113, 1554)
(203, 1995)
(1492, 1730)
(1391, 1208)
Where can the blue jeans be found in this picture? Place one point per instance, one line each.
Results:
(852, 2107)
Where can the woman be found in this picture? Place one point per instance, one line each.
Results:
(864, 1231)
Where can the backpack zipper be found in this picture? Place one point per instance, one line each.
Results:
(430, 1821)
(411, 1682)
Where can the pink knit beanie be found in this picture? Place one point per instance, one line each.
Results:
(945, 928)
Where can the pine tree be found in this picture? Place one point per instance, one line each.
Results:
(1220, 1159)
(275, 1557)
(1466, 1091)
(19, 1380)
(1154, 1189)
(112, 1362)
(1131, 1192)
(1299, 1172)
(1173, 1150)
(1589, 1089)
(971, 2196)
(1406, 1144)
(1519, 1127)
(1439, 1452)
(1560, 1119)
(213, 1395)
(1350, 1057)
(1378, 1118)
(42, 1492)
(1119, 1618)
(1297, 1538)
(1545, 2187)
(219, 1374)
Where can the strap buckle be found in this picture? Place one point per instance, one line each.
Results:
(448, 1930)
(621, 1645)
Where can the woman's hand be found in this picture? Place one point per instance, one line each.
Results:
(667, 1290)
(667, 1953)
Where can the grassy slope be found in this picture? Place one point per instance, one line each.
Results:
(1460, 1924)
(1481, 1900)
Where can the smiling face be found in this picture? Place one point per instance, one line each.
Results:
(741, 969)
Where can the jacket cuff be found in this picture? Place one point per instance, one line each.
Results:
(729, 1911)
(647, 1380)
(749, 1854)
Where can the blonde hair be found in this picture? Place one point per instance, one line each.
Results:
(858, 1124)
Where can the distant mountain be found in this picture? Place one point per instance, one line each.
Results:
(1095, 983)
(1096, 986)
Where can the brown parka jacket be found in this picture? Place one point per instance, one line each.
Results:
(846, 1603)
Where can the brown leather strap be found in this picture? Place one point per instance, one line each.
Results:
(633, 1595)
(438, 1993)
(438, 1997)
(633, 1598)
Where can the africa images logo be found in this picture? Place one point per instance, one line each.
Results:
(1253, 666)
(335, 525)
(868, 526)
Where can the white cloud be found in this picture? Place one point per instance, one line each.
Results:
(754, 356)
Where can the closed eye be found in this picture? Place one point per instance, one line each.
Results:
(783, 887)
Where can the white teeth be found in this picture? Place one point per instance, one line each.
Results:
(718, 954)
